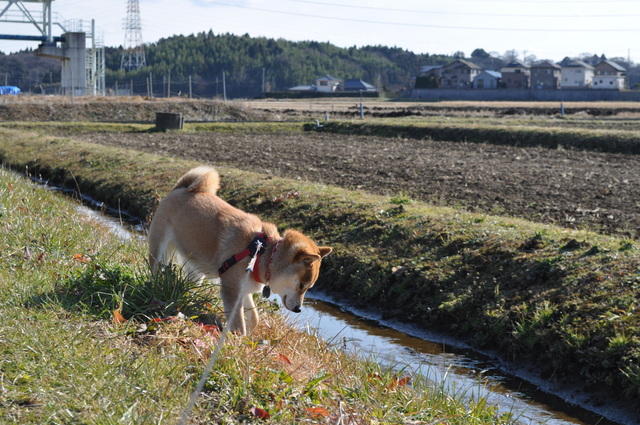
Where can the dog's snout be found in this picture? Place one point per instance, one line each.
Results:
(291, 305)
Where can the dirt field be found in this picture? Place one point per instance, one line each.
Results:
(576, 189)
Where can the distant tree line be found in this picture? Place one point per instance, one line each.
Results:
(210, 65)
(253, 65)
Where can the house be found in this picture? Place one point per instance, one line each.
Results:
(487, 80)
(576, 75)
(356, 84)
(430, 71)
(303, 89)
(609, 75)
(545, 75)
(516, 75)
(459, 74)
(429, 77)
(327, 84)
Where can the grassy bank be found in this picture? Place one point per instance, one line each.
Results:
(615, 141)
(561, 300)
(67, 357)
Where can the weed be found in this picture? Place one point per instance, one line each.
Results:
(632, 374)
(103, 287)
(400, 199)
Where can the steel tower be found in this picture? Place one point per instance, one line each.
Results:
(133, 54)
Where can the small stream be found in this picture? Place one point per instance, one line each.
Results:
(443, 360)
(446, 361)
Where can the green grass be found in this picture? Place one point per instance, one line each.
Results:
(561, 300)
(63, 359)
(56, 127)
(519, 134)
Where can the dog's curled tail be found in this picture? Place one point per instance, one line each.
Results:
(200, 179)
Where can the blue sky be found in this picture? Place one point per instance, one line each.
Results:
(547, 29)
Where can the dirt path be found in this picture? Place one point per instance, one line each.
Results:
(579, 189)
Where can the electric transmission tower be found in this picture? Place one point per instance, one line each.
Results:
(133, 54)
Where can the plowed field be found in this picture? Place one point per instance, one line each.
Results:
(576, 189)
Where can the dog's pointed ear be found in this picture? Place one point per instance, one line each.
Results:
(307, 258)
(324, 251)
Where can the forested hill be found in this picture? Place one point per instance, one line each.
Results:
(247, 62)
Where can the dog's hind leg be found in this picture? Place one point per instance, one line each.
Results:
(162, 250)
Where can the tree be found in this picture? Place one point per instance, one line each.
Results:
(510, 55)
(480, 54)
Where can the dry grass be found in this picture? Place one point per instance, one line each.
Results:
(336, 104)
(343, 104)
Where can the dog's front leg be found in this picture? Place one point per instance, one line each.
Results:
(251, 312)
(232, 302)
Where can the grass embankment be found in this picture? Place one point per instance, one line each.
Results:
(66, 357)
(617, 141)
(564, 301)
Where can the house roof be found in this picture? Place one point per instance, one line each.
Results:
(578, 64)
(515, 64)
(494, 74)
(466, 63)
(429, 68)
(302, 88)
(613, 65)
(328, 78)
(547, 64)
(357, 84)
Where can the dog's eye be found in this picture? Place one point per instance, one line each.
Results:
(302, 286)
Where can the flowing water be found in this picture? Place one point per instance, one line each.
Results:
(446, 362)
(441, 359)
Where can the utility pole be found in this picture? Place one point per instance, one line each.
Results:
(224, 87)
(133, 54)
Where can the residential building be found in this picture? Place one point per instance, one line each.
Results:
(487, 80)
(302, 88)
(516, 75)
(459, 74)
(356, 84)
(576, 75)
(545, 75)
(431, 71)
(327, 84)
(609, 75)
(429, 77)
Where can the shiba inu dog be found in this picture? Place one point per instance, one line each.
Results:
(209, 238)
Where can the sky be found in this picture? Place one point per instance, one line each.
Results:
(546, 29)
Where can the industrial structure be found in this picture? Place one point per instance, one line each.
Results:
(133, 54)
(83, 67)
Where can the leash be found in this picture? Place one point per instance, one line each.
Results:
(257, 247)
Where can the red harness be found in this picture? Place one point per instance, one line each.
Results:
(261, 240)
(256, 247)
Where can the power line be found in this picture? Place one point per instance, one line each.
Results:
(449, 27)
(504, 15)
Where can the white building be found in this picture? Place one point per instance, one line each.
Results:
(609, 75)
(576, 75)
(327, 84)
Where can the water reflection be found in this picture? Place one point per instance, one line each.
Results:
(446, 362)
